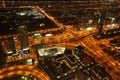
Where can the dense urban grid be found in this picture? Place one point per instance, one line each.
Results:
(60, 40)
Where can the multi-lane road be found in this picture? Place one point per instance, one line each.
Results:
(22, 70)
(70, 38)
(92, 45)
(96, 52)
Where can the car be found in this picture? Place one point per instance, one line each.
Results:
(115, 54)
(79, 48)
(117, 47)
(108, 33)
(113, 42)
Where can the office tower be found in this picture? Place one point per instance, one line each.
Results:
(10, 45)
(101, 22)
(2, 56)
(22, 31)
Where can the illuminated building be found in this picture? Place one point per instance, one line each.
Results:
(2, 56)
(10, 45)
(22, 30)
(92, 24)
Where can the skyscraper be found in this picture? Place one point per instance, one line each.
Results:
(2, 56)
(10, 45)
(22, 31)
(101, 22)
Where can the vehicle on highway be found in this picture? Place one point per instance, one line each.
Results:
(79, 48)
(115, 54)
(113, 42)
(108, 33)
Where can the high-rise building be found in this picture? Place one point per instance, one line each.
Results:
(10, 45)
(23, 36)
(101, 22)
(2, 56)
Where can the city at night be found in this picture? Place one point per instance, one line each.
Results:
(60, 40)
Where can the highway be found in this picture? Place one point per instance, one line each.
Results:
(70, 38)
(92, 46)
(86, 39)
(107, 61)
(22, 70)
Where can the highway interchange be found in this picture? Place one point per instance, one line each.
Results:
(69, 38)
